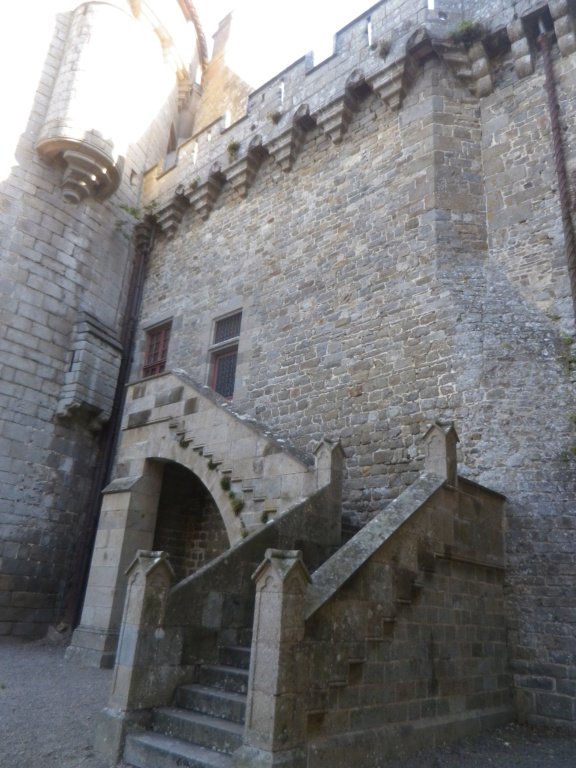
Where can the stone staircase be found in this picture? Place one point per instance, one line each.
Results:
(206, 723)
(368, 621)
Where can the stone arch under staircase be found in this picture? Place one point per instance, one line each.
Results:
(252, 477)
(189, 526)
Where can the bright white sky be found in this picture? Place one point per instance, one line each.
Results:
(268, 35)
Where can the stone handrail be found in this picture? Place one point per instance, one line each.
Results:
(330, 577)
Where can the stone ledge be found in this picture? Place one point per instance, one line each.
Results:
(359, 749)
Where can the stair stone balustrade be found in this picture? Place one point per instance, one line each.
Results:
(144, 651)
(401, 630)
(275, 732)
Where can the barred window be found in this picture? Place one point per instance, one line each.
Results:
(157, 341)
(225, 373)
(225, 356)
(227, 328)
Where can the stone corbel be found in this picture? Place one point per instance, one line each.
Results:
(481, 69)
(389, 84)
(471, 66)
(286, 146)
(563, 26)
(335, 117)
(88, 172)
(521, 48)
(204, 195)
(170, 216)
(242, 173)
(393, 81)
(143, 234)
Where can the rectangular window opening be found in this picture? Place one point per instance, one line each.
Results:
(227, 328)
(157, 341)
(225, 355)
(225, 373)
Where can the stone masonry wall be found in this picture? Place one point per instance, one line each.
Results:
(57, 262)
(413, 271)
(396, 642)
(528, 343)
(442, 664)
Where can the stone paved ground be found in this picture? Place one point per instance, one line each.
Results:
(515, 746)
(48, 710)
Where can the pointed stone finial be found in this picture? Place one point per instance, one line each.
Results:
(141, 648)
(149, 561)
(221, 37)
(440, 452)
(275, 685)
(289, 574)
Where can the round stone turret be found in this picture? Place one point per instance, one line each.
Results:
(116, 54)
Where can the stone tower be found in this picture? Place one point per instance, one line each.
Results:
(99, 89)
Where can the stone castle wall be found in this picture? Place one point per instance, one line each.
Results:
(400, 266)
(65, 272)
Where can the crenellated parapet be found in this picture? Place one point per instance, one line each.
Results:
(326, 97)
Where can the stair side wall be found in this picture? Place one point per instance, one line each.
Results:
(215, 606)
(411, 650)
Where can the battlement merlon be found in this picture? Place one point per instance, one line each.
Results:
(379, 50)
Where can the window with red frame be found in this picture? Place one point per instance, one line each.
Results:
(225, 357)
(156, 350)
(225, 373)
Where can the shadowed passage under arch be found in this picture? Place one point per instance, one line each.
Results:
(188, 525)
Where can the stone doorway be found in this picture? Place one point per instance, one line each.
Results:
(188, 524)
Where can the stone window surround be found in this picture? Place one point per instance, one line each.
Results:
(148, 329)
(202, 368)
(200, 365)
(157, 336)
(223, 348)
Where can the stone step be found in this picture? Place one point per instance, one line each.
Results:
(224, 678)
(244, 636)
(239, 637)
(155, 750)
(234, 656)
(203, 730)
(210, 701)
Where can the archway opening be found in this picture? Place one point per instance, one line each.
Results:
(188, 524)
